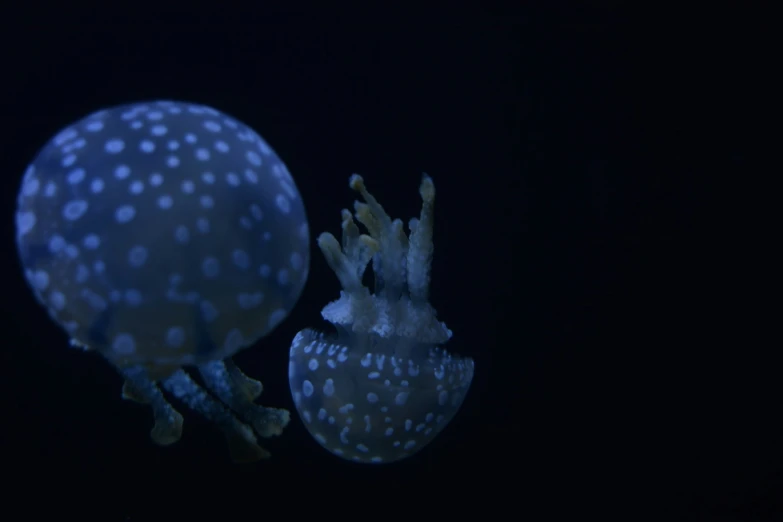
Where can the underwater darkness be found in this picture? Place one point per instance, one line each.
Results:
(578, 260)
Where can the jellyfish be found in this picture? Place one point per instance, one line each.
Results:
(383, 388)
(167, 235)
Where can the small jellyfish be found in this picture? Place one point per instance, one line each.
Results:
(384, 388)
(163, 235)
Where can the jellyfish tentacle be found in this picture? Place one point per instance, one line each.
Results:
(167, 428)
(241, 440)
(130, 393)
(252, 388)
(419, 258)
(267, 422)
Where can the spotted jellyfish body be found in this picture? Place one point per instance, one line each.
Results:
(165, 234)
(384, 388)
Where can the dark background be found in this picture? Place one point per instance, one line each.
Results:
(590, 255)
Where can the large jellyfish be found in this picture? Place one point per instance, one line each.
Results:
(384, 388)
(162, 235)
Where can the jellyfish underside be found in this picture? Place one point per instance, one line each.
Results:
(382, 388)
